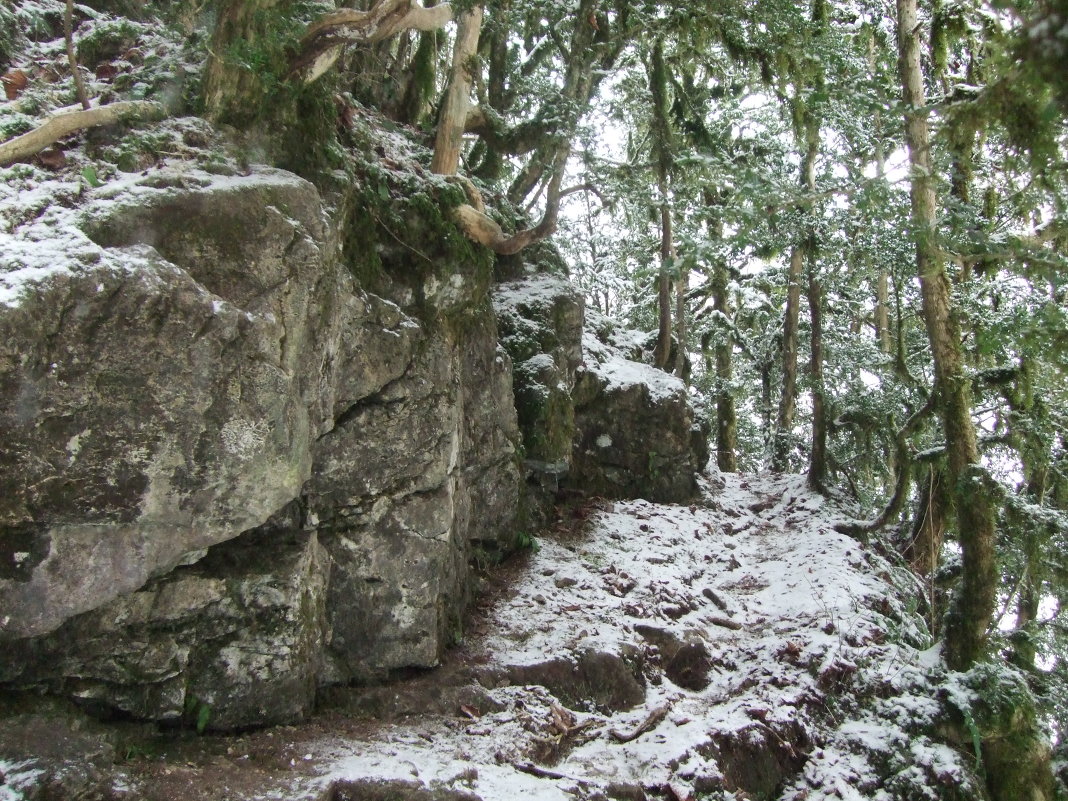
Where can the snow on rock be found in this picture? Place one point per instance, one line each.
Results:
(769, 657)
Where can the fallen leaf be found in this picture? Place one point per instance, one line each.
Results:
(469, 711)
(14, 82)
(52, 158)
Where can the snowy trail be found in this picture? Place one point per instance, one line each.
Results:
(661, 651)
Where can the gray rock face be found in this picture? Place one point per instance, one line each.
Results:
(409, 477)
(613, 426)
(541, 319)
(158, 410)
(233, 640)
(212, 366)
(638, 435)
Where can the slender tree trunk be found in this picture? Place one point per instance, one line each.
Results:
(788, 398)
(667, 250)
(662, 148)
(682, 359)
(457, 101)
(767, 408)
(882, 313)
(1034, 457)
(72, 57)
(419, 91)
(726, 416)
(973, 604)
(882, 286)
(817, 466)
(929, 525)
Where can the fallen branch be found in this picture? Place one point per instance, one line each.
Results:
(726, 623)
(537, 770)
(66, 123)
(651, 722)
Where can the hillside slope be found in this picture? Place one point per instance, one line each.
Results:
(735, 648)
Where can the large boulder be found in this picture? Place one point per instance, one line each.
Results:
(638, 434)
(231, 474)
(160, 397)
(540, 316)
(593, 419)
(233, 640)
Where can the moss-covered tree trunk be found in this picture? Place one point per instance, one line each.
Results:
(232, 91)
(973, 604)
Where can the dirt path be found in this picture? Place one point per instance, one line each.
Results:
(720, 650)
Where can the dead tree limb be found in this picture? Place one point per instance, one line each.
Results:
(68, 122)
(321, 45)
(653, 720)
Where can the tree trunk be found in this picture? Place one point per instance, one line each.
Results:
(663, 340)
(457, 101)
(817, 466)
(929, 526)
(663, 156)
(973, 604)
(788, 399)
(682, 337)
(882, 287)
(232, 92)
(72, 57)
(726, 416)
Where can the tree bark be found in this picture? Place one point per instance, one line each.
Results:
(726, 416)
(788, 398)
(457, 101)
(817, 466)
(973, 604)
(68, 122)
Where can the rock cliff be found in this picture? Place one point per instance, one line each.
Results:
(255, 439)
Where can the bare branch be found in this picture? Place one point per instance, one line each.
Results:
(321, 46)
(68, 32)
(572, 190)
(66, 123)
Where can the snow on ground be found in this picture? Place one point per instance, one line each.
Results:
(766, 656)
